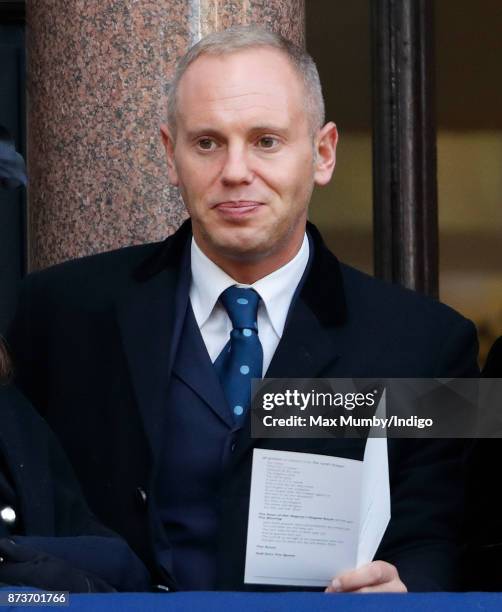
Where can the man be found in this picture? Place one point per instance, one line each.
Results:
(126, 354)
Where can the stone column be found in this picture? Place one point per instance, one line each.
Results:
(98, 75)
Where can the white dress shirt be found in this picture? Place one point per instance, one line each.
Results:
(276, 291)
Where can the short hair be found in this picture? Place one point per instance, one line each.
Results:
(238, 38)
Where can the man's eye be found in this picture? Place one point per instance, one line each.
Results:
(267, 142)
(206, 144)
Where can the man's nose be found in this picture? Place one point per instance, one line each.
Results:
(236, 168)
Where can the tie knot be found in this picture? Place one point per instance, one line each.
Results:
(242, 307)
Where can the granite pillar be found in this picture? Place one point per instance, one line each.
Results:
(98, 75)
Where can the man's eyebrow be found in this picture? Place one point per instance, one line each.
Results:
(193, 134)
(202, 131)
(258, 129)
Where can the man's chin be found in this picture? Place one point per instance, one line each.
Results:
(238, 241)
(245, 252)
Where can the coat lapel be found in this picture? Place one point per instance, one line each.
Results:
(193, 366)
(306, 348)
(150, 319)
(309, 343)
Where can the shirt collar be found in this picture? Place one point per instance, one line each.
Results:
(208, 283)
(276, 289)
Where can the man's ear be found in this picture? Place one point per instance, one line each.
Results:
(168, 142)
(325, 149)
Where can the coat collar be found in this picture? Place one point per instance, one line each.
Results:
(168, 256)
(306, 346)
(322, 289)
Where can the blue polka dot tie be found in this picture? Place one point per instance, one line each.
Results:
(242, 358)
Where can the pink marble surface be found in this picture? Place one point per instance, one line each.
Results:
(98, 74)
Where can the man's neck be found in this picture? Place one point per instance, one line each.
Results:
(247, 272)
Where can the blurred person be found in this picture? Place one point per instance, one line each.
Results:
(48, 537)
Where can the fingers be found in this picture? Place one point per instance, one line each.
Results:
(395, 586)
(375, 577)
(374, 573)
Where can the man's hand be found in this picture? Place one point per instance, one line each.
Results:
(375, 577)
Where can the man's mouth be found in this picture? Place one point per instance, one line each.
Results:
(238, 208)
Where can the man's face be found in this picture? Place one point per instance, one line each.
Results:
(244, 156)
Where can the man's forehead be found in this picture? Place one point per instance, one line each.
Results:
(245, 74)
(236, 100)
